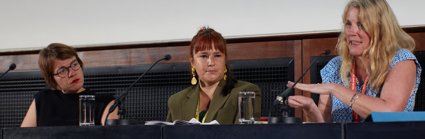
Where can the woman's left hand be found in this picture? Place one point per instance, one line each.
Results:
(314, 88)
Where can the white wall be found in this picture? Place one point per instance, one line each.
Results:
(32, 24)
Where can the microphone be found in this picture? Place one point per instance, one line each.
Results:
(121, 98)
(167, 57)
(280, 98)
(11, 67)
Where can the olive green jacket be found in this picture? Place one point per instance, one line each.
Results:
(224, 109)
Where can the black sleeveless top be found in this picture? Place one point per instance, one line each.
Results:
(57, 109)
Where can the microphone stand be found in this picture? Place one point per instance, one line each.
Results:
(282, 99)
(119, 100)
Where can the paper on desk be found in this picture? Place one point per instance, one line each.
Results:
(195, 121)
(192, 121)
(158, 123)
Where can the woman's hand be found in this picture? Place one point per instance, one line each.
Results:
(301, 102)
(324, 89)
(308, 106)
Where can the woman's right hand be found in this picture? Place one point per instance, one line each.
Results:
(303, 102)
(308, 106)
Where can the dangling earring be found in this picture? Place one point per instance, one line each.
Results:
(225, 74)
(194, 81)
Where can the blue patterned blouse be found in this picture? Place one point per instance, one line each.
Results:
(330, 74)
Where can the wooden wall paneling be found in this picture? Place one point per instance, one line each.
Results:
(135, 56)
(105, 58)
(419, 40)
(23, 62)
(311, 48)
(261, 50)
(315, 47)
(298, 60)
(236, 51)
(149, 55)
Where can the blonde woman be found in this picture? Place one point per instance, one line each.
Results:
(374, 72)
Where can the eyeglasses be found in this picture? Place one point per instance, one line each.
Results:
(64, 71)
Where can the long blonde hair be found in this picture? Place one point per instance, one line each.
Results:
(386, 37)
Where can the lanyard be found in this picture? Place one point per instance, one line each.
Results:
(197, 114)
(356, 117)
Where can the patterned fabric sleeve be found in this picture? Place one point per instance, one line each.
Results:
(402, 55)
(330, 73)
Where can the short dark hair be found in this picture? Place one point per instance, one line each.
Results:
(54, 51)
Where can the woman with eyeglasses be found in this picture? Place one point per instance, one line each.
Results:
(62, 70)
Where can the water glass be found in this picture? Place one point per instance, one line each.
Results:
(246, 107)
(86, 110)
